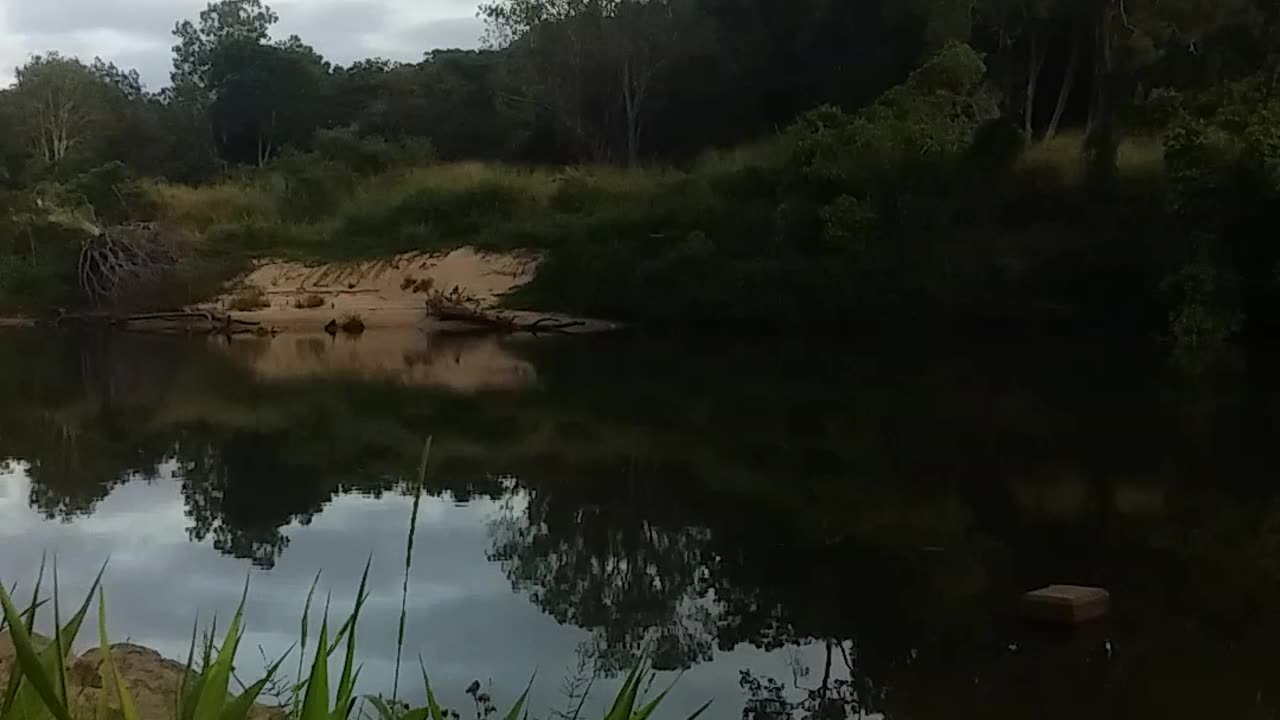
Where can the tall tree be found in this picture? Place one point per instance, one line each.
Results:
(240, 20)
(61, 105)
(264, 98)
(593, 64)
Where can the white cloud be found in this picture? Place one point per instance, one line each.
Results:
(137, 33)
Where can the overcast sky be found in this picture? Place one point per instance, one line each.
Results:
(137, 33)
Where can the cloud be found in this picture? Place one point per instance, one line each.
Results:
(137, 33)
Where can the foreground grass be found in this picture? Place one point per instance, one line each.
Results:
(38, 686)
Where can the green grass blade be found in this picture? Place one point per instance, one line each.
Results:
(28, 660)
(315, 704)
(624, 704)
(216, 680)
(433, 707)
(184, 703)
(408, 562)
(239, 708)
(384, 710)
(111, 680)
(35, 597)
(346, 684)
(515, 711)
(698, 713)
(29, 621)
(59, 668)
(295, 694)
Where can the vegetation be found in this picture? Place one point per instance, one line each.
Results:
(1099, 163)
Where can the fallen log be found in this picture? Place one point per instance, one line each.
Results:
(170, 322)
(475, 319)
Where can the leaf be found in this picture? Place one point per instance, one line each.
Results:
(433, 707)
(184, 703)
(384, 711)
(625, 703)
(515, 711)
(111, 680)
(697, 713)
(408, 561)
(306, 632)
(239, 708)
(29, 618)
(346, 684)
(28, 660)
(315, 705)
(216, 680)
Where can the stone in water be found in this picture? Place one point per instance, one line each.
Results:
(1066, 603)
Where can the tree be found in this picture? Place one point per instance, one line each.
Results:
(592, 64)
(264, 97)
(241, 20)
(61, 106)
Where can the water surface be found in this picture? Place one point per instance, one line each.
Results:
(808, 531)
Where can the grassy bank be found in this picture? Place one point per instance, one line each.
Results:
(923, 209)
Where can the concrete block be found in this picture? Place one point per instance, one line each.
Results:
(1069, 604)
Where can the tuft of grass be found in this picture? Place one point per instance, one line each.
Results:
(310, 302)
(1061, 160)
(249, 299)
(203, 207)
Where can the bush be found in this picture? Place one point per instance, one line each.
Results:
(249, 299)
(309, 302)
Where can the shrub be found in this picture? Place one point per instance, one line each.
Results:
(204, 207)
(309, 302)
(249, 299)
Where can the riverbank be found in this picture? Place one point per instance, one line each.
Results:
(945, 216)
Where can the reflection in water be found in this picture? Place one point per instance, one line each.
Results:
(865, 518)
(408, 357)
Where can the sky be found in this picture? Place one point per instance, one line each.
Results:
(137, 33)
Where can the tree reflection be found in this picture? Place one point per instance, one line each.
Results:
(611, 568)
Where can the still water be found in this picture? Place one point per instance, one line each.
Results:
(808, 532)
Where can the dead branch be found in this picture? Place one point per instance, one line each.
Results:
(123, 259)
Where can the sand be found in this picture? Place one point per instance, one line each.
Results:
(384, 293)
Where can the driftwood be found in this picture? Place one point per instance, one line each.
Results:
(181, 321)
(474, 319)
(114, 261)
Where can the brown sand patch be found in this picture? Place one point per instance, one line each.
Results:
(384, 293)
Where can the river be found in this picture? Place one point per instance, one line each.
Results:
(808, 531)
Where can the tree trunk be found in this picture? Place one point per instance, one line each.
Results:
(632, 97)
(1064, 93)
(1099, 104)
(1033, 80)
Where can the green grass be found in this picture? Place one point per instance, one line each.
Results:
(1063, 158)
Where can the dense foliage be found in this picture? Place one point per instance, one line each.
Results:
(1098, 162)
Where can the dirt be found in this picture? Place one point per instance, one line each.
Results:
(383, 293)
(153, 681)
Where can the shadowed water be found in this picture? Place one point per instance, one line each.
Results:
(809, 532)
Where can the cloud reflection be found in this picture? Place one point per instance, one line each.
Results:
(463, 617)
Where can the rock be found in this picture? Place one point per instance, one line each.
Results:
(152, 679)
(1070, 604)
